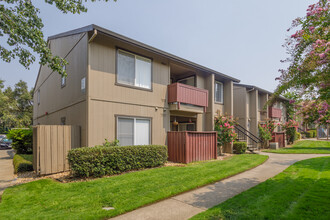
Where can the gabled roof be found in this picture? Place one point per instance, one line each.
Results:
(172, 57)
(259, 89)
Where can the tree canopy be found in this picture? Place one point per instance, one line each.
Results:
(21, 27)
(309, 51)
(15, 106)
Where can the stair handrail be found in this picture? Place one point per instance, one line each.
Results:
(257, 140)
(248, 133)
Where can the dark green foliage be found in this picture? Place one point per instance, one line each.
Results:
(240, 147)
(22, 140)
(22, 163)
(291, 134)
(100, 160)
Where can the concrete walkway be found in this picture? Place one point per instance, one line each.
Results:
(6, 169)
(193, 202)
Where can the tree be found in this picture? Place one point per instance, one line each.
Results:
(15, 106)
(21, 26)
(291, 106)
(314, 112)
(309, 48)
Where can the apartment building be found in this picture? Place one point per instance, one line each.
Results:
(251, 109)
(119, 88)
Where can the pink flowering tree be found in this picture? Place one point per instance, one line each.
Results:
(309, 50)
(224, 125)
(314, 112)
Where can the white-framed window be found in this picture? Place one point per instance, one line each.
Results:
(218, 92)
(259, 103)
(133, 131)
(63, 78)
(83, 84)
(133, 70)
(38, 96)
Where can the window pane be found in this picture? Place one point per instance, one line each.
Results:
(125, 131)
(126, 69)
(143, 73)
(142, 135)
(218, 92)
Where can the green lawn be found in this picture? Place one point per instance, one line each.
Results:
(302, 191)
(305, 147)
(48, 199)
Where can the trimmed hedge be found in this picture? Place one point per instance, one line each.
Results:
(23, 163)
(311, 133)
(298, 135)
(101, 161)
(239, 147)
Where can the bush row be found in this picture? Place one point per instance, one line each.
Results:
(100, 160)
(239, 147)
(22, 163)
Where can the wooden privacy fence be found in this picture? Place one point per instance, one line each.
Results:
(189, 146)
(51, 144)
(279, 137)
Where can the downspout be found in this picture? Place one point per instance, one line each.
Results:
(87, 88)
(93, 36)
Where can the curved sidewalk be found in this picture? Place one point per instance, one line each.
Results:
(188, 204)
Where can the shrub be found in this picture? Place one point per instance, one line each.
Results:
(22, 163)
(240, 147)
(311, 133)
(291, 134)
(100, 160)
(111, 143)
(298, 135)
(224, 125)
(264, 133)
(22, 140)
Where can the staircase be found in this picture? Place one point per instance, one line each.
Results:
(252, 141)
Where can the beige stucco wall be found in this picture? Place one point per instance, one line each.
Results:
(107, 99)
(253, 112)
(241, 105)
(69, 101)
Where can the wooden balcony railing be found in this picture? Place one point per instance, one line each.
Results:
(274, 112)
(182, 93)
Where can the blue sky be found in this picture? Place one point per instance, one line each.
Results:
(239, 38)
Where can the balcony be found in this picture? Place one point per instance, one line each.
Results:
(274, 112)
(185, 94)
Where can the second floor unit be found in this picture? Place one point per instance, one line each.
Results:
(114, 81)
(251, 108)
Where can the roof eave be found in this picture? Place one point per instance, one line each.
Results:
(144, 46)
